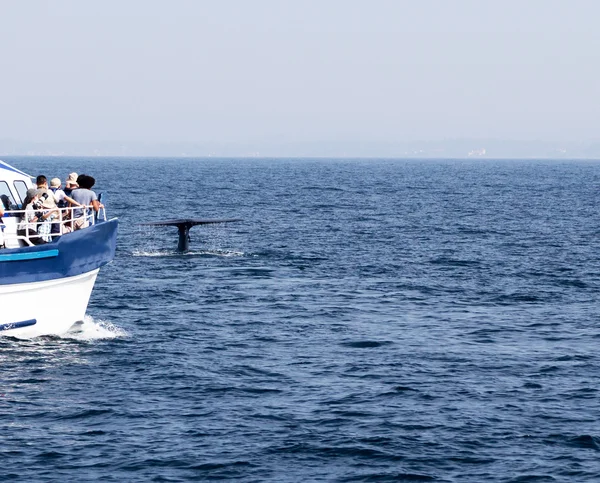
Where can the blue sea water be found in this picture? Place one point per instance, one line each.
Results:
(369, 320)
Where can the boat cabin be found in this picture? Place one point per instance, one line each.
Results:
(13, 189)
(13, 186)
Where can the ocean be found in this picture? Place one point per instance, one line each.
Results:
(368, 320)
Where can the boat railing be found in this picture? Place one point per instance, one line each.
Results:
(62, 221)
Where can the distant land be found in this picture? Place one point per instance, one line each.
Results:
(453, 148)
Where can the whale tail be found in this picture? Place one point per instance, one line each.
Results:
(184, 225)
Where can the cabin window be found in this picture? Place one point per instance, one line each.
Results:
(8, 202)
(21, 188)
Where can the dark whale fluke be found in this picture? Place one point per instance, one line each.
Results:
(184, 226)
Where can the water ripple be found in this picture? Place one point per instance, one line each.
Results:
(371, 320)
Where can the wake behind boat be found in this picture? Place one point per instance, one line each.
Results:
(45, 289)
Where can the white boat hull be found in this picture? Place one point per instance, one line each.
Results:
(54, 305)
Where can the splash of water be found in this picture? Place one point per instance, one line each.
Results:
(91, 329)
(171, 253)
(212, 239)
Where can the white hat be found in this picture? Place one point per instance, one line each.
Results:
(72, 179)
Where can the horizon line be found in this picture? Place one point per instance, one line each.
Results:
(337, 157)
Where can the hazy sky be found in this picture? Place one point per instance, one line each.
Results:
(298, 71)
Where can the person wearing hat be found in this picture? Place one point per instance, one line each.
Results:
(32, 215)
(60, 197)
(62, 201)
(71, 183)
(49, 225)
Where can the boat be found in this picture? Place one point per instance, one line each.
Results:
(45, 289)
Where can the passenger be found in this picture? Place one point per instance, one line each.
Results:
(62, 201)
(41, 181)
(50, 222)
(2, 244)
(60, 197)
(2, 221)
(85, 197)
(32, 215)
(5, 204)
(42, 184)
(71, 183)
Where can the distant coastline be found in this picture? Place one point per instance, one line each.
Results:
(459, 149)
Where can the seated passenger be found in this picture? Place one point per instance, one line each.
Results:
(4, 203)
(2, 207)
(85, 197)
(2, 244)
(5, 206)
(32, 215)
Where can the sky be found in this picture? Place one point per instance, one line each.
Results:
(267, 71)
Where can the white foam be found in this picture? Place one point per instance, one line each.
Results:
(152, 253)
(169, 253)
(91, 329)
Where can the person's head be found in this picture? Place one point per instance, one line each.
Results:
(4, 202)
(33, 194)
(55, 183)
(71, 181)
(86, 182)
(41, 181)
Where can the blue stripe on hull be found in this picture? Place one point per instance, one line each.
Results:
(18, 325)
(79, 252)
(15, 257)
